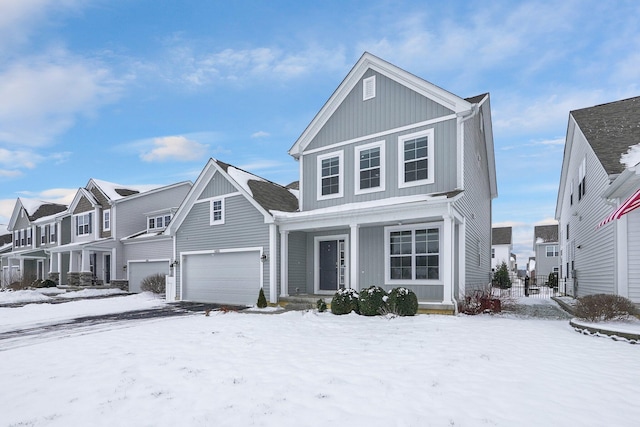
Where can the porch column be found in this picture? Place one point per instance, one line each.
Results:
(273, 263)
(354, 244)
(86, 266)
(73, 262)
(448, 261)
(622, 257)
(112, 268)
(54, 266)
(284, 263)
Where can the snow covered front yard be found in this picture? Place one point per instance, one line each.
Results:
(315, 369)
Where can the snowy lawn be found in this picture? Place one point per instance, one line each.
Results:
(46, 294)
(318, 369)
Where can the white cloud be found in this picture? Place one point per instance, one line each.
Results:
(177, 148)
(13, 162)
(41, 97)
(260, 134)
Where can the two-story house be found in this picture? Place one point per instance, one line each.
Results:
(396, 181)
(502, 248)
(599, 229)
(102, 217)
(546, 249)
(36, 227)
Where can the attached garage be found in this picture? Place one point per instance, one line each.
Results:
(222, 277)
(138, 270)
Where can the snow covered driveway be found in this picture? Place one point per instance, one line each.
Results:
(318, 369)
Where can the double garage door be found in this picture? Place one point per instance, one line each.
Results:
(139, 270)
(223, 278)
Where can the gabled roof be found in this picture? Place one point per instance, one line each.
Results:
(35, 209)
(82, 192)
(545, 233)
(611, 129)
(113, 191)
(369, 61)
(262, 193)
(269, 195)
(501, 236)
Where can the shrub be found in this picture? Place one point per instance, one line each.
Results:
(345, 301)
(501, 277)
(154, 283)
(48, 283)
(403, 302)
(480, 301)
(321, 305)
(373, 301)
(552, 281)
(603, 307)
(262, 301)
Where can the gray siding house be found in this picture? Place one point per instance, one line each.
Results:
(36, 227)
(502, 248)
(599, 247)
(396, 181)
(114, 234)
(546, 248)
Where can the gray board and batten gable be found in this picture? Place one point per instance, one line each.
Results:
(610, 130)
(395, 107)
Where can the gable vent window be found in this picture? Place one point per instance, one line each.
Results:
(369, 88)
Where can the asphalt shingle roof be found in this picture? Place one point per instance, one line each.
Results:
(548, 233)
(47, 209)
(611, 129)
(501, 236)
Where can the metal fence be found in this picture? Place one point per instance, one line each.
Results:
(534, 287)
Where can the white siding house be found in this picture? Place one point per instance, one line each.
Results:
(599, 174)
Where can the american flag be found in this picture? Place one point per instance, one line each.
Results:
(630, 204)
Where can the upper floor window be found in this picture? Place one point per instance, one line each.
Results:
(493, 252)
(582, 180)
(106, 220)
(369, 88)
(413, 253)
(43, 234)
(571, 193)
(415, 155)
(83, 224)
(158, 222)
(217, 212)
(330, 175)
(552, 250)
(52, 233)
(369, 168)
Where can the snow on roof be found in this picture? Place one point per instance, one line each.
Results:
(32, 205)
(631, 157)
(243, 178)
(114, 191)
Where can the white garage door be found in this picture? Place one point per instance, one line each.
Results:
(139, 270)
(223, 278)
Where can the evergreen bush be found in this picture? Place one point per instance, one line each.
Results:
(321, 305)
(501, 277)
(262, 301)
(154, 283)
(48, 283)
(403, 302)
(373, 301)
(603, 307)
(345, 301)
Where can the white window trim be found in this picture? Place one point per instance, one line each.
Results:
(106, 223)
(554, 253)
(387, 254)
(75, 224)
(53, 235)
(356, 180)
(369, 82)
(43, 234)
(222, 211)
(430, 159)
(319, 159)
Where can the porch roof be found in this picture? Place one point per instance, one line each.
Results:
(102, 244)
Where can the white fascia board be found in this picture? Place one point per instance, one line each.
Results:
(571, 125)
(17, 207)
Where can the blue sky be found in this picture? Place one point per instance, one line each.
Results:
(144, 92)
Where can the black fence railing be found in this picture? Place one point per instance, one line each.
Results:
(533, 287)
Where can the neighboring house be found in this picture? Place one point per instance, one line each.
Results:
(396, 181)
(501, 248)
(115, 234)
(546, 248)
(600, 250)
(36, 227)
